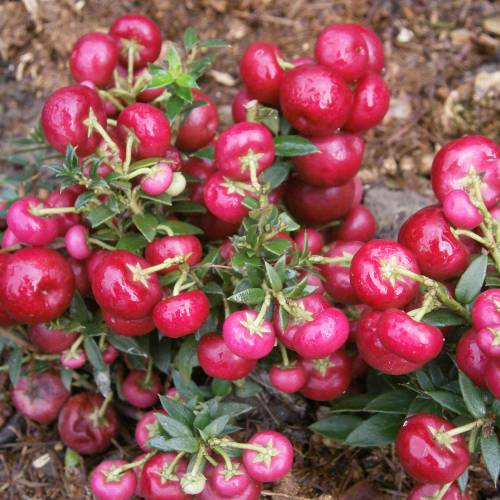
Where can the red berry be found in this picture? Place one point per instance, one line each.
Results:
(245, 338)
(325, 334)
(375, 48)
(314, 238)
(182, 314)
(288, 378)
(106, 486)
(454, 161)
(359, 225)
(94, 57)
(128, 327)
(337, 161)
(146, 429)
(327, 378)
(223, 200)
(64, 198)
(315, 100)
(82, 282)
(82, 429)
(110, 354)
(428, 490)
(218, 361)
(342, 48)
(36, 285)
(315, 205)
(470, 357)
(229, 483)
(40, 396)
(138, 392)
(121, 289)
(358, 191)
(238, 106)
(486, 309)
(371, 102)
(201, 169)
(168, 247)
(488, 339)
(272, 464)
(460, 211)
(261, 72)
(492, 377)
(439, 253)
(374, 278)
(200, 126)
(215, 228)
(150, 128)
(241, 145)
(48, 340)
(252, 492)
(373, 351)
(416, 342)
(146, 95)
(76, 242)
(301, 60)
(427, 453)
(29, 228)
(64, 117)
(156, 484)
(138, 29)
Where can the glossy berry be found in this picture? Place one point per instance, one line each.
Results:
(439, 253)
(36, 285)
(64, 117)
(128, 327)
(242, 145)
(218, 361)
(315, 100)
(358, 191)
(486, 309)
(470, 357)
(492, 377)
(427, 453)
(158, 180)
(9, 239)
(261, 72)
(289, 378)
(327, 378)
(375, 48)
(272, 464)
(416, 342)
(156, 484)
(452, 164)
(315, 205)
(27, 226)
(76, 242)
(200, 126)
(359, 225)
(229, 483)
(94, 57)
(138, 392)
(251, 492)
(141, 31)
(121, 289)
(337, 161)
(82, 282)
(146, 429)
(182, 314)
(80, 426)
(106, 486)
(428, 490)
(149, 127)
(314, 240)
(201, 169)
(374, 276)
(371, 102)
(488, 339)
(325, 334)
(40, 395)
(65, 198)
(169, 247)
(246, 337)
(238, 106)
(48, 340)
(224, 200)
(460, 211)
(146, 95)
(342, 48)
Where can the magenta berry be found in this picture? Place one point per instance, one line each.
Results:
(244, 146)
(49, 340)
(288, 378)
(9, 239)
(488, 339)
(359, 225)
(486, 309)
(106, 484)
(428, 490)
(76, 242)
(229, 482)
(129, 327)
(274, 461)
(247, 336)
(65, 198)
(470, 357)
(140, 392)
(146, 429)
(158, 180)
(238, 106)
(492, 377)
(460, 211)
(73, 359)
(374, 47)
(110, 354)
(169, 247)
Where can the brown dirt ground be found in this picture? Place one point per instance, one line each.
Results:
(444, 74)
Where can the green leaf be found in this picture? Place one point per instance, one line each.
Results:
(221, 388)
(93, 353)
(423, 404)
(354, 403)
(132, 242)
(293, 145)
(78, 310)
(146, 224)
(14, 364)
(66, 377)
(126, 344)
(162, 355)
(337, 426)
(187, 81)
(462, 480)
(190, 37)
(442, 318)
(186, 358)
(215, 43)
(490, 450)
(205, 153)
(177, 410)
(470, 283)
(232, 409)
(216, 427)
(278, 246)
(492, 280)
(378, 430)
(472, 395)
(172, 426)
(273, 278)
(449, 401)
(180, 227)
(275, 175)
(189, 207)
(99, 215)
(174, 107)
(247, 389)
(173, 59)
(160, 80)
(248, 296)
(186, 444)
(163, 199)
(397, 402)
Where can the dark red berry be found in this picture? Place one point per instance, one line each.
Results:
(49, 340)
(128, 327)
(232, 482)
(470, 357)
(168, 247)
(359, 225)
(314, 240)
(428, 490)
(238, 106)
(138, 391)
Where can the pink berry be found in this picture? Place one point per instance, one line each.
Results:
(73, 360)
(288, 379)
(76, 242)
(9, 239)
(460, 211)
(486, 309)
(108, 486)
(488, 339)
(158, 180)
(146, 429)
(238, 106)
(229, 483)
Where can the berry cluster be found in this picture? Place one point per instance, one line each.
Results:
(167, 266)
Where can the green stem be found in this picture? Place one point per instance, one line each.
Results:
(320, 259)
(167, 229)
(135, 173)
(40, 211)
(101, 244)
(112, 99)
(225, 456)
(172, 466)
(265, 306)
(93, 124)
(104, 407)
(284, 354)
(469, 234)
(128, 152)
(243, 446)
(13, 248)
(180, 282)
(442, 491)
(76, 345)
(149, 373)
(465, 428)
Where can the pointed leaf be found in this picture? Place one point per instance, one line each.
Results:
(470, 283)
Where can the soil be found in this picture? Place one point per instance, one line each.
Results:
(444, 73)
